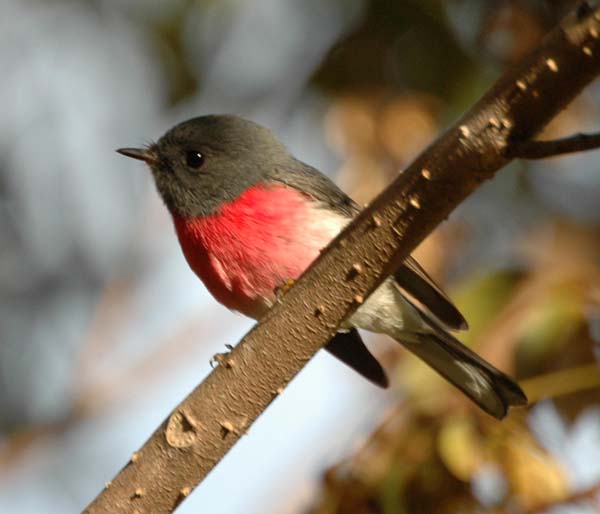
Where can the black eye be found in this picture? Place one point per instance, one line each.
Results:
(194, 159)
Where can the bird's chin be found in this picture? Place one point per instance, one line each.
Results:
(181, 201)
(165, 187)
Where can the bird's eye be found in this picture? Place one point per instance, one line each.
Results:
(194, 159)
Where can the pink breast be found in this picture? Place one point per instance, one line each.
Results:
(251, 246)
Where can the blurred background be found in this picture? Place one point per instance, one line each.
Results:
(103, 328)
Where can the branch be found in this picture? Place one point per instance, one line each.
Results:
(563, 382)
(200, 431)
(545, 149)
(586, 495)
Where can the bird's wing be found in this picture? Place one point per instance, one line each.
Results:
(410, 277)
(350, 349)
(415, 281)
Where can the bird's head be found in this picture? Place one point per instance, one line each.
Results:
(204, 162)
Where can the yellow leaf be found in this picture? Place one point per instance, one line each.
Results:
(459, 447)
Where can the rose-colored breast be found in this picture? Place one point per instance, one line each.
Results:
(251, 246)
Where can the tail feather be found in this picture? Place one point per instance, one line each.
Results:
(350, 349)
(488, 387)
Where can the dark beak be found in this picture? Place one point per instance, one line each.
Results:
(141, 154)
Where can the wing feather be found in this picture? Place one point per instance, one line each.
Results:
(415, 281)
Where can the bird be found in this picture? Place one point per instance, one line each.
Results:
(250, 218)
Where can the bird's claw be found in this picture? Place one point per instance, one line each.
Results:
(222, 359)
(281, 291)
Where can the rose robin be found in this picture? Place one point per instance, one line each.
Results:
(250, 217)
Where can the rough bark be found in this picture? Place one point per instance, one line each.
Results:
(200, 431)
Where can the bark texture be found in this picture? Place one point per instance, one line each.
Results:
(200, 431)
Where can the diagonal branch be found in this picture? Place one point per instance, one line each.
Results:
(535, 149)
(200, 431)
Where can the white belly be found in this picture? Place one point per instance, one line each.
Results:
(386, 311)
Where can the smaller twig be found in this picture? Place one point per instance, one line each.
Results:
(533, 149)
(560, 383)
(586, 495)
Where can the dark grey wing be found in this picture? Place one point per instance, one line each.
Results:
(349, 348)
(416, 282)
(411, 277)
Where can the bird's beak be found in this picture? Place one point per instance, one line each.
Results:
(142, 154)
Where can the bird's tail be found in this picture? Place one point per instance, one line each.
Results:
(487, 386)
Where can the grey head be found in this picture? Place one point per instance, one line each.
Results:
(207, 161)
(204, 162)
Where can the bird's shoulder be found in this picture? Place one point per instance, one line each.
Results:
(312, 182)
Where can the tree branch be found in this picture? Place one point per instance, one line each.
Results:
(533, 149)
(586, 495)
(200, 431)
